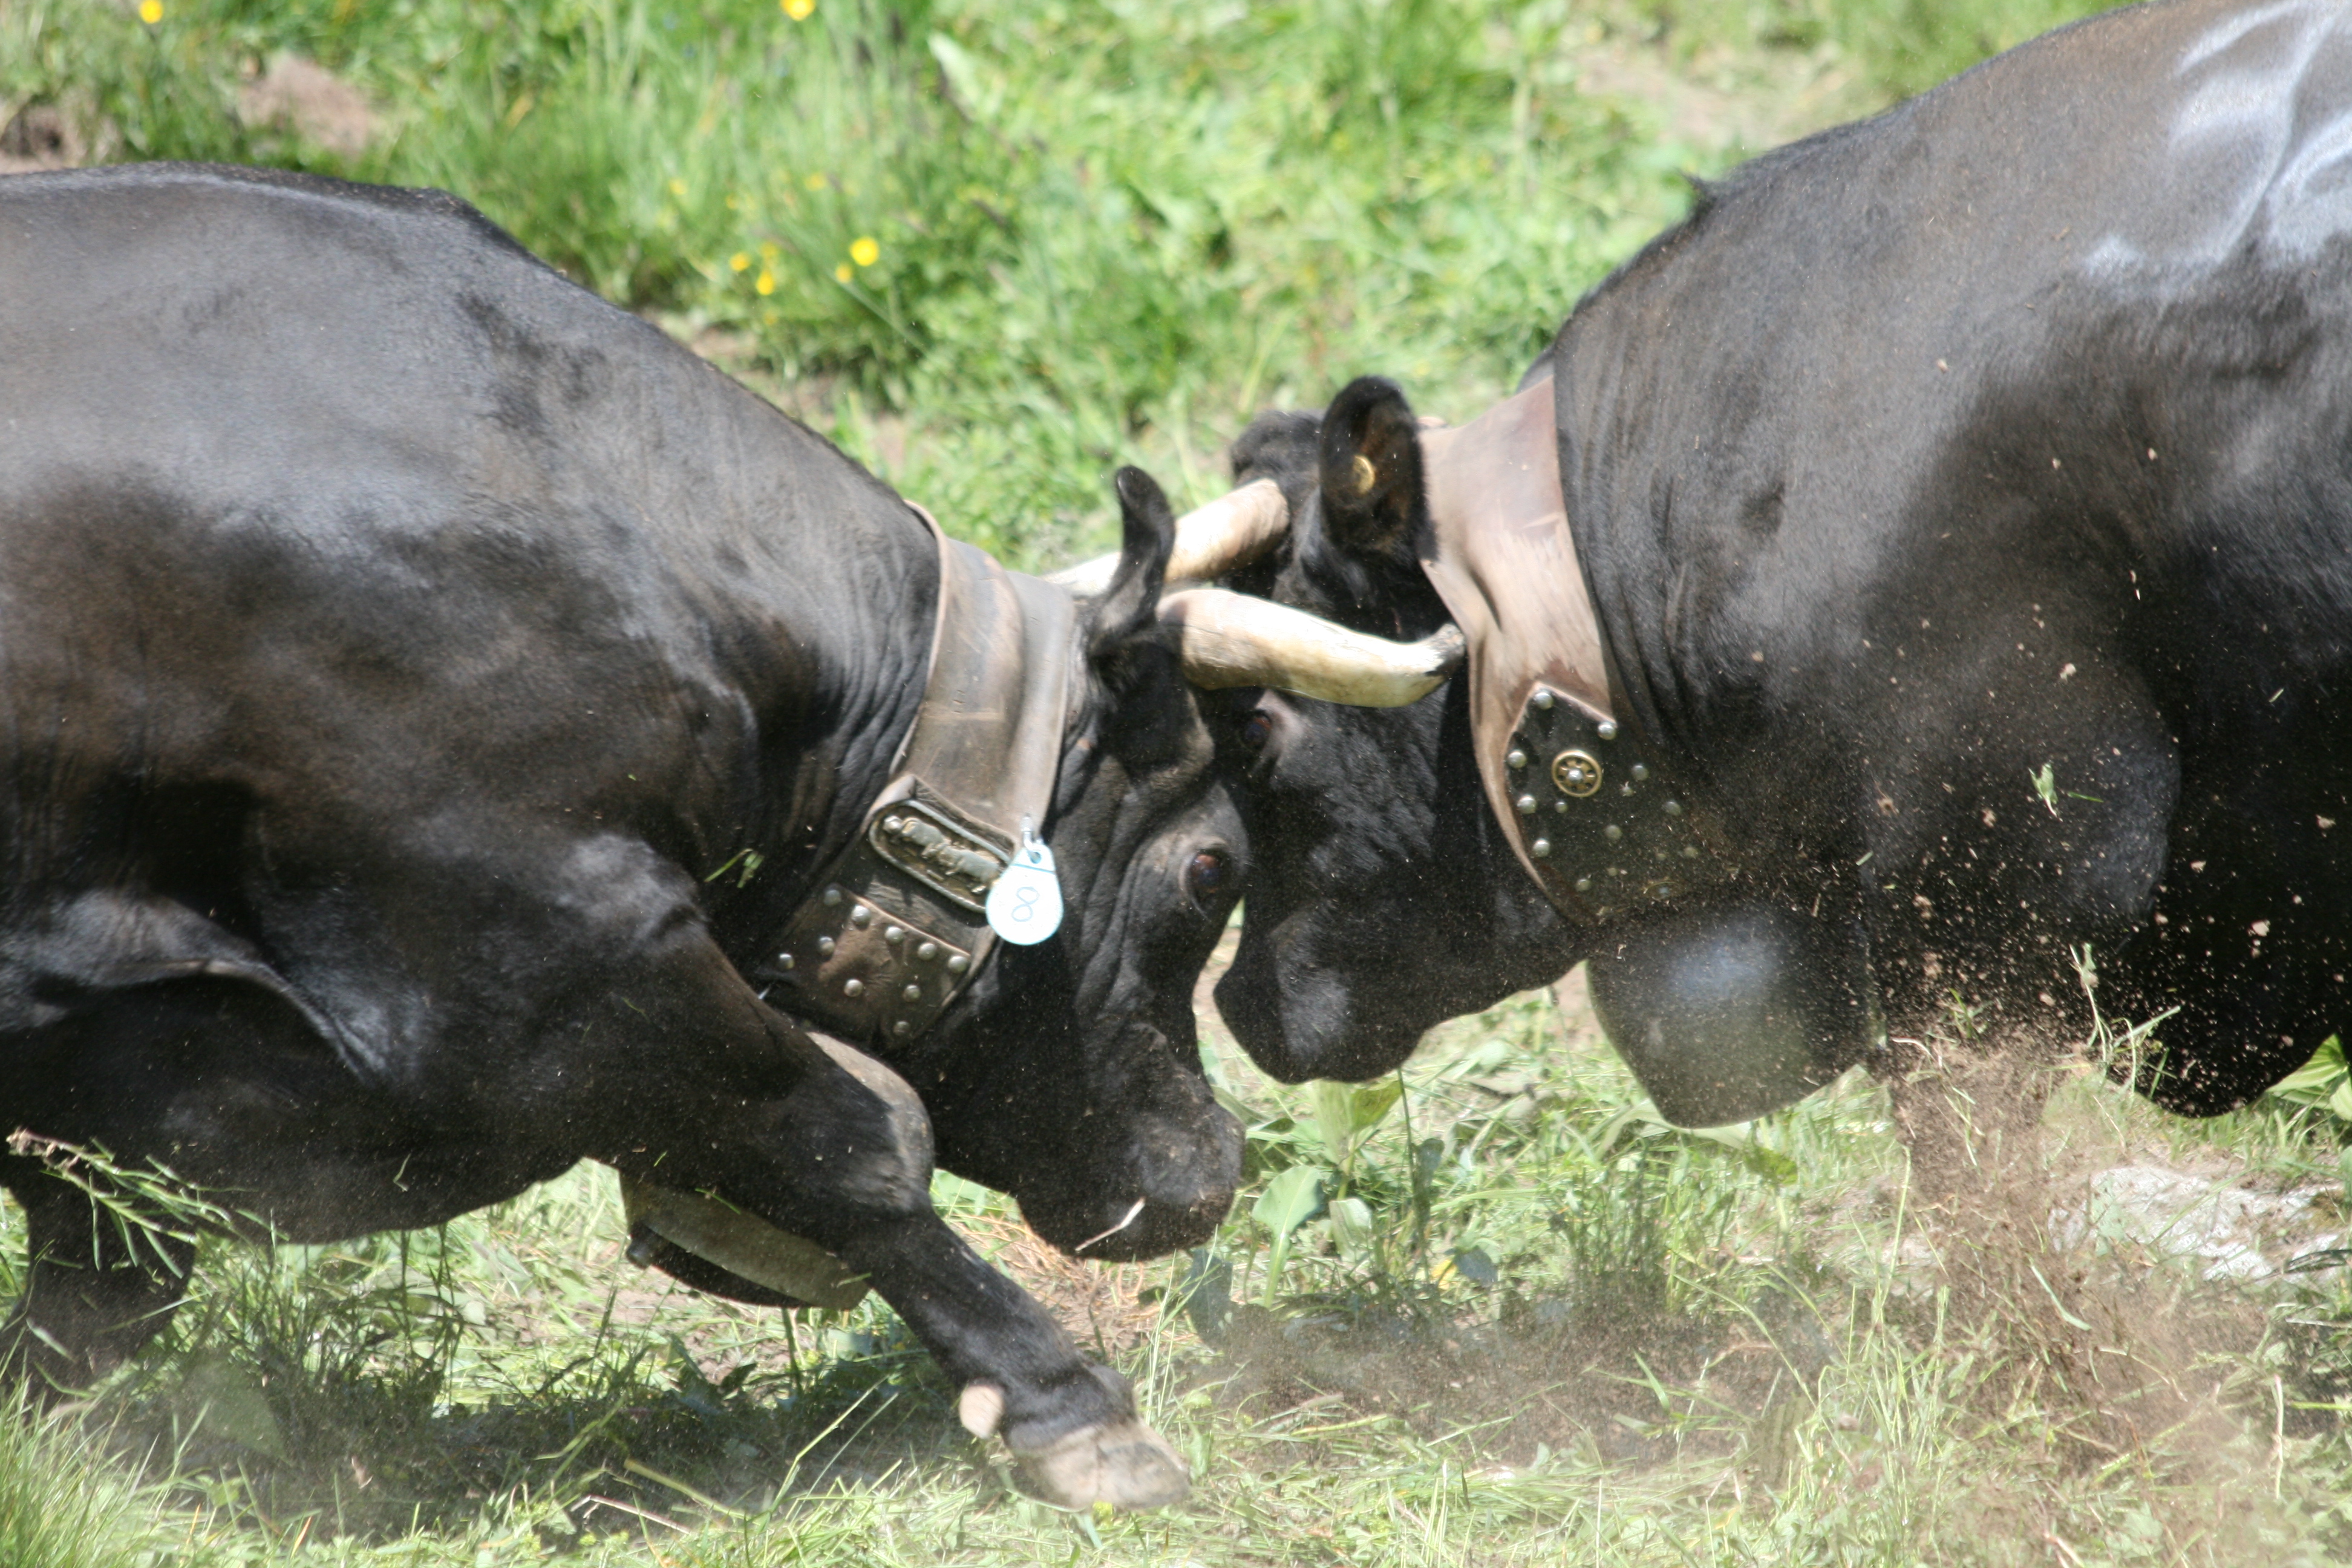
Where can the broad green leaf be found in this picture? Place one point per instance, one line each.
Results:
(1351, 1225)
(2317, 1078)
(1344, 1113)
(1290, 1200)
(1335, 1117)
(1373, 1101)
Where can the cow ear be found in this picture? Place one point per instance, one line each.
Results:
(1127, 617)
(1371, 472)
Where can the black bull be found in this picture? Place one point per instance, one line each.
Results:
(395, 641)
(1965, 497)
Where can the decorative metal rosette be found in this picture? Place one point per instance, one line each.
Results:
(1605, 828)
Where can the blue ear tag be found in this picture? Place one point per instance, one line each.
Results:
(1026, 904)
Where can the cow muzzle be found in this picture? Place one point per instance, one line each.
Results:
(1159, 1177)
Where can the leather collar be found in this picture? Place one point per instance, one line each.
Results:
(1586, 803)
(894, 929)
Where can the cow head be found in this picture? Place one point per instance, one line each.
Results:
(1382, 900)
(1069, 1073)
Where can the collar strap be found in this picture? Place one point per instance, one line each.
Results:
(895, 929)
(1587, 805)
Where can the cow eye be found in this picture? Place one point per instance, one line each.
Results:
(1206, 876)
(1255, 729)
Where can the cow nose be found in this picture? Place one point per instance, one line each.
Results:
(1188, 1215)
(1182, 1184)
(1168, 1190)
(1152, 1228)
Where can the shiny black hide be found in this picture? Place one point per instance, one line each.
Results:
(1967, 499)
(424, 690)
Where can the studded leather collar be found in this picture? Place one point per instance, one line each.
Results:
(895, 929)
(1588, 805)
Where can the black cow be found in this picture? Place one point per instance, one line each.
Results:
(397, 644)
(1965, 500)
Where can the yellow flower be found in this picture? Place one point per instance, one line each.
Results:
(863, 251)
(677, 187)
(740, 260)
(767, 283)
(844, 273)
(734, 201)
(770, 250)
(798, 10)
(814, 182)
(150, 11)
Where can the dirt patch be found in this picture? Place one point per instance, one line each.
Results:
(302, 97)
(1718, 101)
(43, 136)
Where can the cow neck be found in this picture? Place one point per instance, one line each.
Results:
(895, 928)
(1585, 799)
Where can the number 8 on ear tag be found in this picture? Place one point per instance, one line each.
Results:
(1026, 904)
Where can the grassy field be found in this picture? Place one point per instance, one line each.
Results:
(1492, 1311)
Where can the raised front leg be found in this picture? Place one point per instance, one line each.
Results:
(1073, 1426)
(726, 1096)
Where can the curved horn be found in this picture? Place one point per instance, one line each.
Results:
(1232, 531)
(1234, 639)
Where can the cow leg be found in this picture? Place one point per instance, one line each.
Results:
(91, 1300)
(1073, 1426)
(826, 1143)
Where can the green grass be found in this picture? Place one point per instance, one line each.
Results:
(1502, 1316)
(1099, 231)
(1552, 1329)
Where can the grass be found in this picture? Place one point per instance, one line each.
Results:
(1552, 1329)
(1493, 1312)
(996, 250)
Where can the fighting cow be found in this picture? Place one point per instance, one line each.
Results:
(451, 732)
(1926, 566)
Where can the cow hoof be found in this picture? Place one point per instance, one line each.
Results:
(1123, 1462)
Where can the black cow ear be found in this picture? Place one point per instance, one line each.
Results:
(1127, 617)
(1370, 471)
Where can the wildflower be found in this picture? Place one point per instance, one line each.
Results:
(150, 11)
(734, 201)
(677, 187)
(814, 182)
(770, 250)
(767, 283)
(798, 10)
(740, 261)
(844, 273)
(863, 251)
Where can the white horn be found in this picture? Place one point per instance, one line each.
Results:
(1232, 531)
(1235, 639)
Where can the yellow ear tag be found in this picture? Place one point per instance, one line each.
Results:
(1362, 472)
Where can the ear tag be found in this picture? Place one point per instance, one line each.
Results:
(1024, 906)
